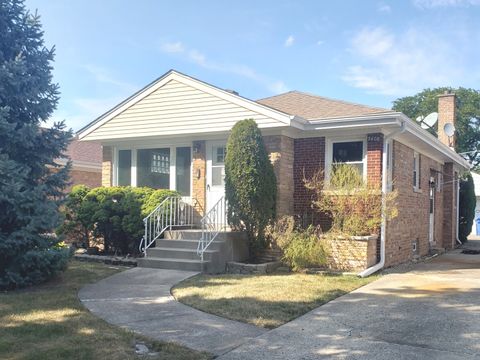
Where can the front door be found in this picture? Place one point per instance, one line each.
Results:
(216, 151)
(431, 230)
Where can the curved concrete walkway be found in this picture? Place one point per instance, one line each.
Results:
(140, 300)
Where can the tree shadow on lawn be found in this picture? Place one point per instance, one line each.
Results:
(49, 322)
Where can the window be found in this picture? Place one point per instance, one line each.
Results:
(416, 171)
(218, 165)
(183, 170)
(349, 152)
(439, 181)
(124, 175)
(153, 168)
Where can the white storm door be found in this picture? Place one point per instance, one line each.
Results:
(216, 151)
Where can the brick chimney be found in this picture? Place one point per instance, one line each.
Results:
(446, 114)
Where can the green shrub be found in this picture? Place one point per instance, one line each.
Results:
(250, 184)
(112, 214)
(305, 250)
(301, 248)
(78, 229)
(37, 265)
(467, 203)
(154, 199)
(354, 205)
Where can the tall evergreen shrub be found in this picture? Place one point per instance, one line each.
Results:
(467, 203)
(250, 183)
(31, 183)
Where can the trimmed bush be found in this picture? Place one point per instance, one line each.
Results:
(112, 214)
(250, 184)
(467, 203)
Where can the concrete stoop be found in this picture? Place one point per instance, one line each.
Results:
(178, 251)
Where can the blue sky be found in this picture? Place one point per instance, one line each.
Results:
(369, 52)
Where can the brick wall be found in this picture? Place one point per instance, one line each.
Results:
(350, 254)
(81, 177)
(450, 207)
(374, 158)
(280, 149)
(107, 166)
(412, 223)
(446, 114)
(309, 158)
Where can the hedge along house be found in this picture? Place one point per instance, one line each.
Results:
(172, 134)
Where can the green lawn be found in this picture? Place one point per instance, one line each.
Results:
(264, 300)
(49, 322)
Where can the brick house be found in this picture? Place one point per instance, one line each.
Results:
(86, 160)
(172, 134)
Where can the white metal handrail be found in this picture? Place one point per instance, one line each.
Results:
(173, 211)
(214, 221)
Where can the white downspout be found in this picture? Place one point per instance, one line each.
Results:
(381, 263)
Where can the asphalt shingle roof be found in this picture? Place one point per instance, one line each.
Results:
(309, 106)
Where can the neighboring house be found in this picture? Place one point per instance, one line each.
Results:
(172, 134)
(86, 160)
(476, 220)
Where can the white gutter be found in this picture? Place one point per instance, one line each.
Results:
(381, 263)
(383, 120)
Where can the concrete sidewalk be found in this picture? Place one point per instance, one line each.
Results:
(430, 311)
(140, 300)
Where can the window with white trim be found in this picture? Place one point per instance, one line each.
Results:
(416, 171)
(349, 152)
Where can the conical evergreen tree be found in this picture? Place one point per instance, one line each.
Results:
(31, 183)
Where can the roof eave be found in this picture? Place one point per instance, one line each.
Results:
(388, 119)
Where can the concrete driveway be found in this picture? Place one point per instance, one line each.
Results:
(430, 311)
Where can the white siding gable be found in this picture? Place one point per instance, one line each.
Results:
(176, 108)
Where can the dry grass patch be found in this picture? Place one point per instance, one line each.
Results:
(264, 300)
(49, 322)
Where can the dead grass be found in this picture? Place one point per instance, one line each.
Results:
(264, 300)
(48, 322)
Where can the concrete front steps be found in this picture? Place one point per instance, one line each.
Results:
(178, 251)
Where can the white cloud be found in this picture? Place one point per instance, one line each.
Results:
(429, 4)
(403, 64)
(104, 76)
(175, 47)
(200, 59)
(278, 87)
(289, 41)
(384, 8)
(320, 42)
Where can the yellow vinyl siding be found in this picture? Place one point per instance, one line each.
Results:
(177, 108)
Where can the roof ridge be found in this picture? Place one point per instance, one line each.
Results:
(326, 98)
(277, 95)
(342, 101)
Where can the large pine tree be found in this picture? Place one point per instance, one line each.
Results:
(31, 183)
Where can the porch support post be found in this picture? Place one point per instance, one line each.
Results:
(107, 166)
(199, 172)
